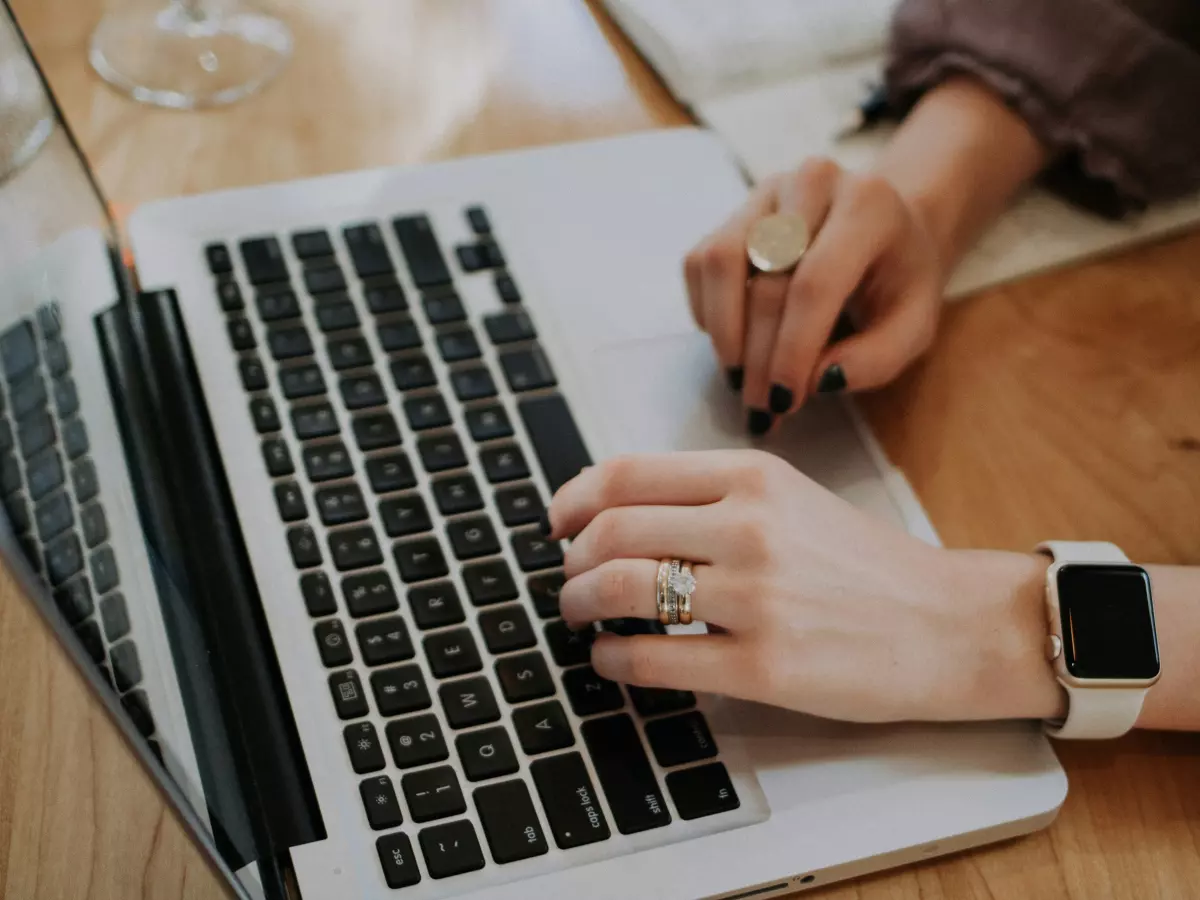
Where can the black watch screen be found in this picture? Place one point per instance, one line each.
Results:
(1107, 621)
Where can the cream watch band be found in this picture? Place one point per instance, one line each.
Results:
(1095, 713)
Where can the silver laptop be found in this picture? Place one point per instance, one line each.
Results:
(272, 472)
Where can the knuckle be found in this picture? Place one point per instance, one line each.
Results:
(754, 472)
(874, 191)
(614, 586)
(692, 263)
(603, 534)
(644, 666)
(753, 541)
(614, 474)
(818, 170)
(714, 259)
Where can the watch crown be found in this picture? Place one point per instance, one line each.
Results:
(1053, 647)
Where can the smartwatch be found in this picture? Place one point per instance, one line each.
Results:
(1102, 642)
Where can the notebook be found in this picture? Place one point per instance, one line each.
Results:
(777, 80)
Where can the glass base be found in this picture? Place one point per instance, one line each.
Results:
(186, 56)
(25, 118)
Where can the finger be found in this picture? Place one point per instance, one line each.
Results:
(685, 662)
(860, 226)
(764, 308)
(692, 278)
(676, 479)
(645, 532)
(628, 589)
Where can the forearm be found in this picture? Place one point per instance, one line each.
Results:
(959, 158)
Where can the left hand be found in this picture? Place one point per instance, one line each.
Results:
(824, 609)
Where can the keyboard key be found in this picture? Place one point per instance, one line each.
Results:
(6, 434)
(126, 667)
(421, 251)
(277, 303)
(85, 480)
(309, 244)
(504, 463)
(34, 433)
(435, 605)
(290, 500)
(367, 249)
(509, 327)
(680, 739)
(386, 297)
(420, 560)
(506, 629)
(569, 648)
(254, 378)
(18, 513)
(54, 516)
(520, 505)
(49, 319)
(493, 256)
(288, 342)
(487, 423)
(229, 295)
(416, 741)
(625, 775)
(380, 802)
(569, 800)
(412, 372)
(219, 261)
(18, 349)
(397, 336)
(489, 582)
(451, 849)
(376, 431)
(341, 505)
(452, 653)
(443, 307)
(405, 515)
(426, 412)
(348, 353)
(318, 594)
(265, 415)
(89, 635)
(478, 219)
(366, 753)
(542, 727)
(137, 705)
(469, 702)
(400, 690)
(536, 552)
(474, 383)
(27, 395)
(263, 258)
(457, 494)
(66, 398)
(57, 358)
(524, 677)
(348, 696)
(369, 594)
(398, 860)
(361, 391)
(74, 600)
(94, 524)
(487, 753)
(103, 564)
(471, 257)
(302, 381)
(392, 472)
(556, 439)
(509, 821)
(332, 644)
(441, 452)
(327, 461)
(472, 538)
(458, 345)
(316, 420)
(527, 370)
(384, 641)
(323, 279)
(590, 694)
(654, 701)
(507, 289)
(306, 552)
(241, 335)
(64, 558)
(702, 791)
(277, 457)
(335, 312)
(10, 474)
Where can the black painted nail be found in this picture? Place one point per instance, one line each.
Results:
(832, 381)
(734, 376)
(781, 399)
(547, 528)
(759, 421)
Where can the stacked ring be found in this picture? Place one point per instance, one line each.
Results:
(664, 573)
(684, 584)
(673, 592)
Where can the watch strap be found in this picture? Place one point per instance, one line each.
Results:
(1083, 551)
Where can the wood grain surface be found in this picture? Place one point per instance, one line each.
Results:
(1066, 406)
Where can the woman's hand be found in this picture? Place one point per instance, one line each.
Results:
(871, 254)
(823, 609)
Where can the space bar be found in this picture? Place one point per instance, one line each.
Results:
(556, 439)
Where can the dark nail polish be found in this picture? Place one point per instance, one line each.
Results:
(547, 528)
(734, 376)
(832, 381)
(781, 399)
(759, 421)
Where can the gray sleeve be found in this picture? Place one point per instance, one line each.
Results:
(1112, 90)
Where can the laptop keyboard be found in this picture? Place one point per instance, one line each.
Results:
(52, 494)
(427, 728)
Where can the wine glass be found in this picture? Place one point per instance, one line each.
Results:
(189, 53)
(26, 120)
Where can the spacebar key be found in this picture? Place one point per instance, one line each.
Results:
(556, 439)
(633, 794)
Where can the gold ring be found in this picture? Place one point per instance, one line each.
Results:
(664, 572)
(672, 597)
(685, 584)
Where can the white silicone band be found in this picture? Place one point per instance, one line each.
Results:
(1095, 713)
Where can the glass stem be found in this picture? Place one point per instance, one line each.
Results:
(194, 10)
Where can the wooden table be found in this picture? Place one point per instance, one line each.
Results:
(1067, 405)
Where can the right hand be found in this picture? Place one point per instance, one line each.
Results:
(872, 255)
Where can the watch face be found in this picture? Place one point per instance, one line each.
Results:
(1107, 622)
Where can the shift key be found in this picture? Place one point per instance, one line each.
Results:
(570, 801)
(633, 793)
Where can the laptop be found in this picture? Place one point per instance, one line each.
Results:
(271, 470)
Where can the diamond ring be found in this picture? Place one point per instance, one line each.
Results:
(673, 595)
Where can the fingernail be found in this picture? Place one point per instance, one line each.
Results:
(832, 381)
(759, 421)
(734, 376)
(546, 527)
(781, 399)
